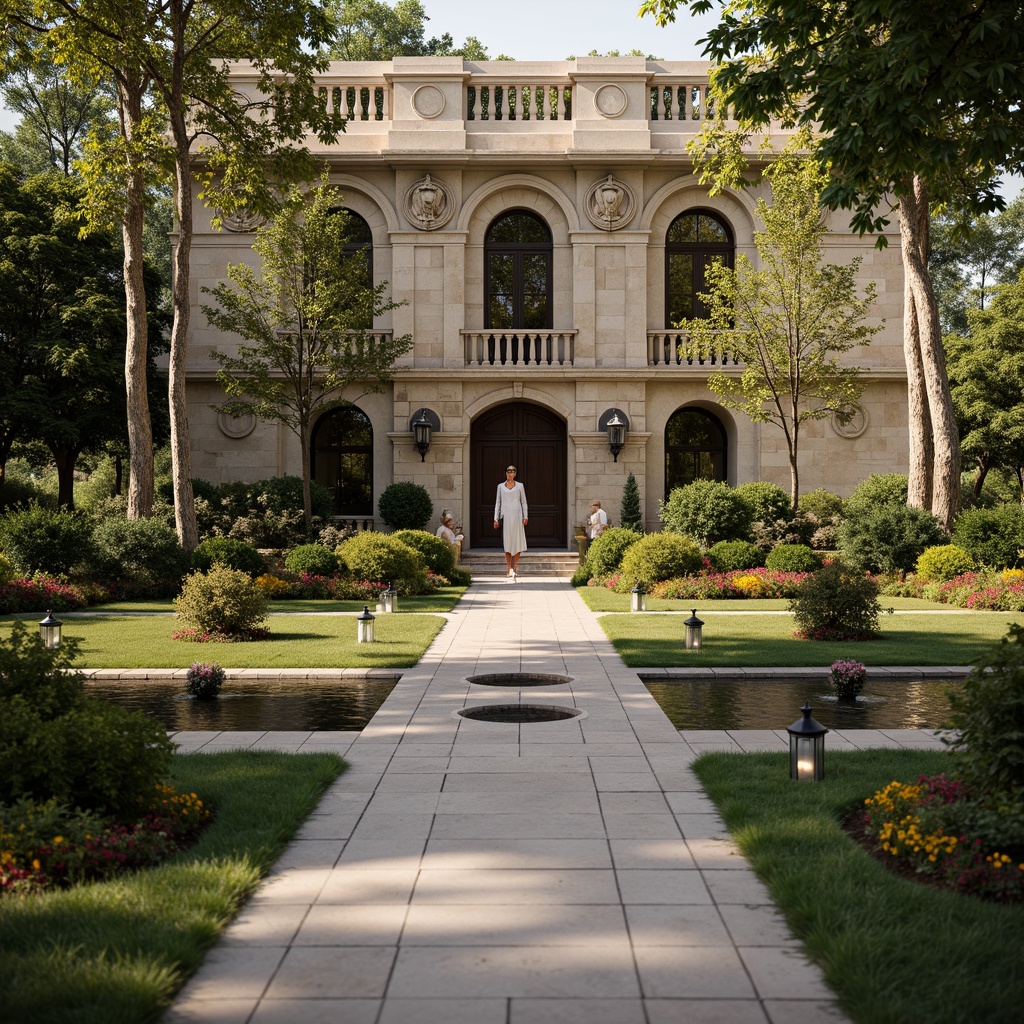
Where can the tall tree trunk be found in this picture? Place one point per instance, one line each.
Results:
(945, 438)
(140, 431)
(181, 447)
(919, 472)
(64, 459)
(979, 477)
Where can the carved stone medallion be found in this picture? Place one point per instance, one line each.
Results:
(428, 101)
(243, 221)
(853, 427)
(429, 203)
(610, 204)
(236, 426)
(610, 101)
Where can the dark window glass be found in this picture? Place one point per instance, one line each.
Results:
(342, 459)
(518, 267)
(695, 448)
(695, 240)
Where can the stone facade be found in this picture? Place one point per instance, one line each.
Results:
(429, 164)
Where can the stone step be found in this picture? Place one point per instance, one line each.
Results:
(558, 564)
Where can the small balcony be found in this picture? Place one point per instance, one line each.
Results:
(678, 349)
(523, 349)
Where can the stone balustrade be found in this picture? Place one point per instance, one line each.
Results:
(519, 348)
(676, 348)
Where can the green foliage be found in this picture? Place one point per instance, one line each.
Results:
(57, 743)
(204, 680)
(837, 603)
(730, 555)
(992, 536)
(887, 538)
(222, 600)
(988, 716)
(437, 556)
(792, 558)
(708, 511)
(821, 504)
(657, 557)
(6, 569)
(380, 558)
(312, 559)
(227, 551)
(631, 515)
(38, 539)
(768, 502)
(145, 553)
(604, 556)
(943, 562)
(878, 489)
(405, 505)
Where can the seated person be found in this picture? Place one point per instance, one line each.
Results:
(446, 532)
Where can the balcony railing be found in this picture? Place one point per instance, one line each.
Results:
(355, 102)
(519, 348)
(675, 348)
(511, 102)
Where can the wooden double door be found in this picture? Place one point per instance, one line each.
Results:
(533, 440)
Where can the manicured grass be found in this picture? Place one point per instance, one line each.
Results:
(296, 641)
(891, 949)
(115, 952)
(934, 638)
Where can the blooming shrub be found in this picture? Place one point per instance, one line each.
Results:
(38, 593)
(836, 603)
(847, 678)
(274, 587)
(225, 601)
(204, 679)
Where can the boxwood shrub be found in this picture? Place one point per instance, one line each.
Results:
(39, 539)
(224, 601)
(405, 505)
(708, 511)
(992, 536)
(943, 562)
(229, 551)
(380, 558)
(792, 558)
(604, 556)
(657, 557)
(312, 559)
(731, 555)
(437, 556)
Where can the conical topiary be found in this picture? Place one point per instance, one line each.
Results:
(632, 517)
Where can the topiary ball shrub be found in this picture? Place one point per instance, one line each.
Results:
(604, 556)
(792, 558)
(943, 562)
(768, 502)
(230, 552)
(381, 558)
(38, 539)
(437, 555)
(992, 536)
(878, 489)
(887, 538)
(836, 603)
(822, 504)
(405, 506)
(657, 557)
(708, 511)
(204, 680)
(312, 560)
(224, 603)
(732, 555)
(144, 553)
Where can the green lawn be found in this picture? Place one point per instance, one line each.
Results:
(752, 639)
(296, 641)
(891, 949)
(117, 951)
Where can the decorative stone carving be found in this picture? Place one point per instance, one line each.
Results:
(236, 426)
(610, 204)
(429, 203)
(610, 101)
(428, 101)
(853, 427)
(243, 221)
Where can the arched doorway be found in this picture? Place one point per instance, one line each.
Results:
(532, 439)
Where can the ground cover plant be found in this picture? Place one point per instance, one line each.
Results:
(890, 948)
(118, 950)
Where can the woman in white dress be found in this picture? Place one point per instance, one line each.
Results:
(510, 509)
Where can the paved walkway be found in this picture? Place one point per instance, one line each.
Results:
(462, 872)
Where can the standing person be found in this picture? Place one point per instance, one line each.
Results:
(510, 507)
(446, 531)
(598, 520)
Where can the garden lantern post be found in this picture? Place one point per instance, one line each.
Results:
(694, 631)
(637, 602)
(807, 748)
(49, 630)
(364, 626)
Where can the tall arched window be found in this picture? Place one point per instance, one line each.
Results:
(342, 459)
(695, 240)
(357, 256)
(517, 265)
(696, 448)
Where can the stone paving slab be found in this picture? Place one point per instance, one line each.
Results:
(558, 873)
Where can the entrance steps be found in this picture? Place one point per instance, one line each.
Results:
(490, 562)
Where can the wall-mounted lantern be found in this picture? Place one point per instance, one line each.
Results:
(364, 626)
(807, 748)
(694, 632)
(615, 423)
(637, 599)
(423, 425)
(49, 630)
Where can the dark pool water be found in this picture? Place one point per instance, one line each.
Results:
(776, 703)
(299, 705)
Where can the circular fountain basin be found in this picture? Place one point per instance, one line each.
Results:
(520, 679)
(517, 714)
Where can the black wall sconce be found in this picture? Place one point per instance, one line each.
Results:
(616, 423)
(423, 425)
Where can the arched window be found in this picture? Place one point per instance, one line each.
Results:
(357, 256)
(342, 459)
(517, 264)
(695, 240)
(696, 448)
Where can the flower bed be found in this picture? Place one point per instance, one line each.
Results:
(985, 590)
(739, 584)
(39, 592)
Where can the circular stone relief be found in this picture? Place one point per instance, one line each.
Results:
(236, 426)
(243, 221)
(428, 101)
(853, 427)
(610, 100)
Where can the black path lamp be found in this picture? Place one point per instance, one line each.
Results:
(423, 425)
(637, 598)
(49, 630)
(694, 631)
(807, 748)
(364, 626)
(391, 598)
(616, 424)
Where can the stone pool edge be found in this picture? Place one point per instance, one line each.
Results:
(665, 675)
(241, 675)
